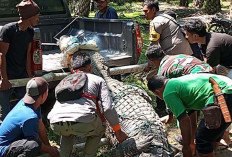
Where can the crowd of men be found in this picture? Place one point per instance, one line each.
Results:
(185, 82)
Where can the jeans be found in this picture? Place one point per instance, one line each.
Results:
(23, 148)
(5, 97)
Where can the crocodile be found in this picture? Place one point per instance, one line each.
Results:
(138, 119)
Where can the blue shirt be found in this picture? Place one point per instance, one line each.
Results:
(110, 13)
(22, 122)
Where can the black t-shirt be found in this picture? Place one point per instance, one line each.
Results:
(16, 57)
(219, 49)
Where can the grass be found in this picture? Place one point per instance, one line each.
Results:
(225, 5)
(176, 2)
(53, 138)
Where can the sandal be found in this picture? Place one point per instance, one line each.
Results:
(178, 139)
(222, 147)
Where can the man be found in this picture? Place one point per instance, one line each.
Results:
(80, 117)
(193, 92)
(172, 66)
(195, 48)
(216, 48)
(15, 46)
(165, 31)
(218, 45)
(22, 132)
(105, 11)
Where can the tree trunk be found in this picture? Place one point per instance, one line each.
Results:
(212, 7)
(231, 9)
(198, 3)
(184, 3)
(119, 2)
(83, 8)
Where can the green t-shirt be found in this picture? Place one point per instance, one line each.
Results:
(193, 92)
(178, 65)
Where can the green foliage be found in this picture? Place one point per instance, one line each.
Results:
(53, 138)
(225, 4)
(145, 35)
(72, 4)
(211, 6)
(135, 6)
(176, 2)
(104, 151)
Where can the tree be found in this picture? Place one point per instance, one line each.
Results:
(230, 9)
(212, 6)
(198, 3)
(184, 3)
(82, 8)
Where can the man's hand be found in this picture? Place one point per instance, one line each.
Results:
(120, 135)
(193, 149)
(167, 119)
(0, 61)
(54, 152)
(5, 85)
(146, 69)
(30, 75)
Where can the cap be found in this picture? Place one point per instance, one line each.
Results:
(35, 87)
(80, 59)
(27, 9)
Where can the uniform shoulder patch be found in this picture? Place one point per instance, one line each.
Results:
(154, 36)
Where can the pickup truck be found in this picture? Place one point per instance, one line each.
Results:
(119, 41)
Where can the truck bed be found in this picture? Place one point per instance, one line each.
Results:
(51, 61)
(115, 38)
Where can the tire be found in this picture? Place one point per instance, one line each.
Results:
(217, 28)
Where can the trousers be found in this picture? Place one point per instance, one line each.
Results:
(92, 131)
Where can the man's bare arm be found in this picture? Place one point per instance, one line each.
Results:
(5, 83)
(45, 145)
(0, 62)
(43, 133)
(28, 66)
(186, 132)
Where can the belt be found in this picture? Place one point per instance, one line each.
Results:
(221, 100)
(65, 123)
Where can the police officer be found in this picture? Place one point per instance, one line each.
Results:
(165, 31)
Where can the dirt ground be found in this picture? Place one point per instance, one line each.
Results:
(172, 131)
